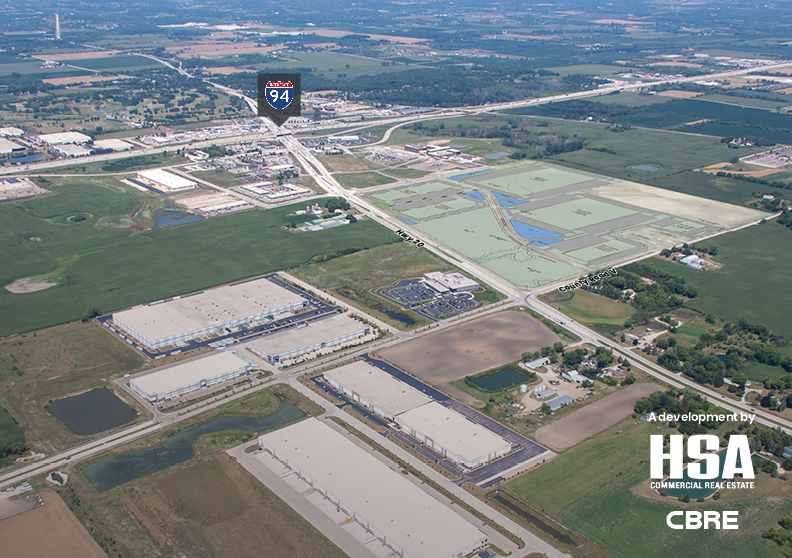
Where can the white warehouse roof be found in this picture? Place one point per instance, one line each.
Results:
(11, 131)
(453, 281)
(208, 309)
(167, 179)
(453, 431)
(378, 387)
(390, 503)
(60, 138)
(314, 333)
(170, 378)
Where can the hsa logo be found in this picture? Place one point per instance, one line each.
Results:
(706, 465)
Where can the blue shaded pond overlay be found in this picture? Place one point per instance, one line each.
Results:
(502, 379)
(92, 412)
(118, 469)
(529, 232)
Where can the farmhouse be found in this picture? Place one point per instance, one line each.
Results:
(183, 318)
(178, 379)
(538, 363)
(390, 507)
(559, 402)
(445, 431)
(316, 336)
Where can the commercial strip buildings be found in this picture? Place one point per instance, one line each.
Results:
(449, 282)
(161, 324)
(318, 336)
(445, 431)
(176, 380)
(391, 508)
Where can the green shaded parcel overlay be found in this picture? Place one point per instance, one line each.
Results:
(477, 235)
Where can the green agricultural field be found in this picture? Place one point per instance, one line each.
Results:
(589, 308)
(123, 63)
(631, 526)
(363, 179)
(12, 439)
(753, 283)
(111, 269)
(582, 469)
(330, 64)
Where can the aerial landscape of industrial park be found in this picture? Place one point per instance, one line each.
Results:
(395, 279)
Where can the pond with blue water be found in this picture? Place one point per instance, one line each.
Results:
(502, 379)
(119, 469)
(173, 218)
(703, 488)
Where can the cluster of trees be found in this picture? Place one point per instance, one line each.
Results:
(786, 219)
(783, 536)
(706, 368)
(551, 352)
(336, 203)
(650, 298)
(688, 250)
(680, 402)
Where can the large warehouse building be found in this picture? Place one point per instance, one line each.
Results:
(318, 335)
(176, 380)
(167, 180)
(390, 507)
(445, 431)
(207, 313)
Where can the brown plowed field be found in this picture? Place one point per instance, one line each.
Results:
(593, 419)
(475, 346)
(48, 531)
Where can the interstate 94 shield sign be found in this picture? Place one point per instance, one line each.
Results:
(279, 96)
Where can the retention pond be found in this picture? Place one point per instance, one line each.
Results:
(118, 469)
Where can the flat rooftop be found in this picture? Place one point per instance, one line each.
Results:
(378, 387)
(411, 518)
(168, 378)
(314, 333)
(453, 431)
(207, 309)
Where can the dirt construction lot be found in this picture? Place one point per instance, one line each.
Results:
(49, 531)
(465, 349)
(594, 418)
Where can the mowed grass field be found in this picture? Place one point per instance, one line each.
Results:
(635, 527)
(363, 179)
(215, 507)
(589, 308)
(578, 471)
(590, 488)
(57, 362)
(111, 269)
